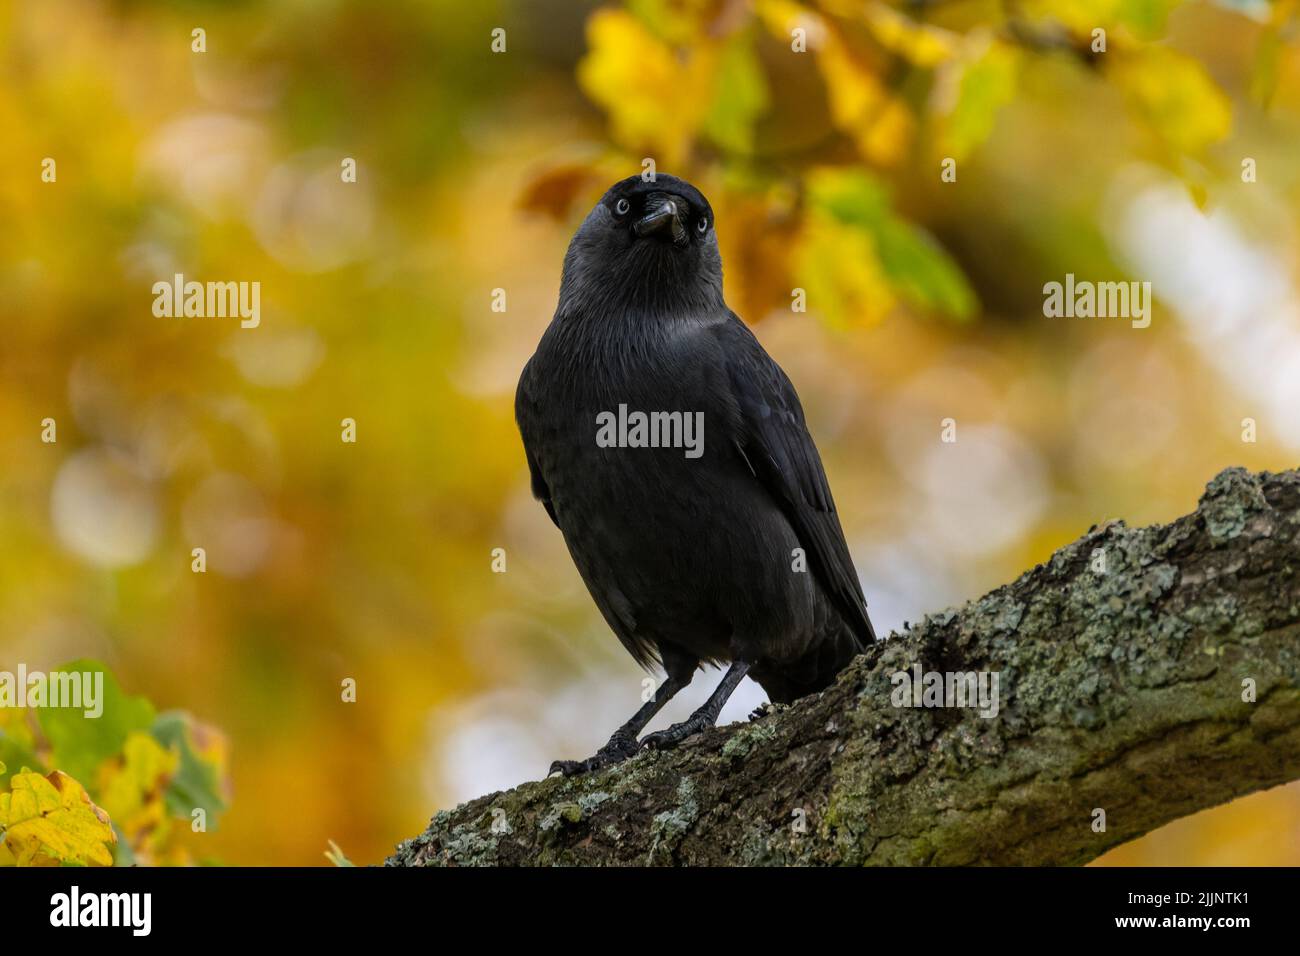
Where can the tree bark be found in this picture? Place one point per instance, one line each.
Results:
(1143, 675)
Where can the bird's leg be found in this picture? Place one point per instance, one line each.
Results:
(702, 719)
(623, 744)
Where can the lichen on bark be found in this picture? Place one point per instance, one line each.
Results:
(1125, 662)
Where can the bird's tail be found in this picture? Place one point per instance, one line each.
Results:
(813, 672)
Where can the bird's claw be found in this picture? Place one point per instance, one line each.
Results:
(672, 736)
(616, 751)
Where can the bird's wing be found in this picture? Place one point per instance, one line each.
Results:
(611, 601)
(523, 402)
(775, 442)
(540, 491)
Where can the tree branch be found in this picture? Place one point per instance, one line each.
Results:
(1121, 665)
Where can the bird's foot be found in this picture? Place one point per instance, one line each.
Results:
(617, 750)
(762, 710)
(672, 736)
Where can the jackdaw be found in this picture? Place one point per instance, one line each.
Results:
(699, 545)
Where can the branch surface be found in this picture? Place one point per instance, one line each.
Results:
(1125, 690)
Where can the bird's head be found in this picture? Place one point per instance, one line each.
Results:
(645, 245)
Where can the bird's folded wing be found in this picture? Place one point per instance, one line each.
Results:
(781, 454)
(540, 491)
(524, 408)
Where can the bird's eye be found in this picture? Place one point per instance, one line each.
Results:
(703, 225)
(622, 206)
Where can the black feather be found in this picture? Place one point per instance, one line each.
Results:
(688, 558)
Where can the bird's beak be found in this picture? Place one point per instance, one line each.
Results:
(662, 220)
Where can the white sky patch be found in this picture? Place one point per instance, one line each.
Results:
(503, 738)
(1232, 290)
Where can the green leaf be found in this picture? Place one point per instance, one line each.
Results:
(922, 273)
(984, 82)
(919, 271)
(1144, 20)
(197, 780)
(741, 95)
(1147, 19)
(123, 855)
(79, 744)
(17, 749)
(336, 856)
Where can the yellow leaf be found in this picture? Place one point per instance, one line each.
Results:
(761, 231)
(1269, 52)
(861, 106)
(919, 44)
(132, 787)
(49, 821)
(656, 100)
(1177, 95)
(840, 268)
(1125, 20)
(783, 16)
(678, 21)
(1078, 16)
(14, 725)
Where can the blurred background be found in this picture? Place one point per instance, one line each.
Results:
(818, 130)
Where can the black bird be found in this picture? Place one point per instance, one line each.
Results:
(689, 552)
